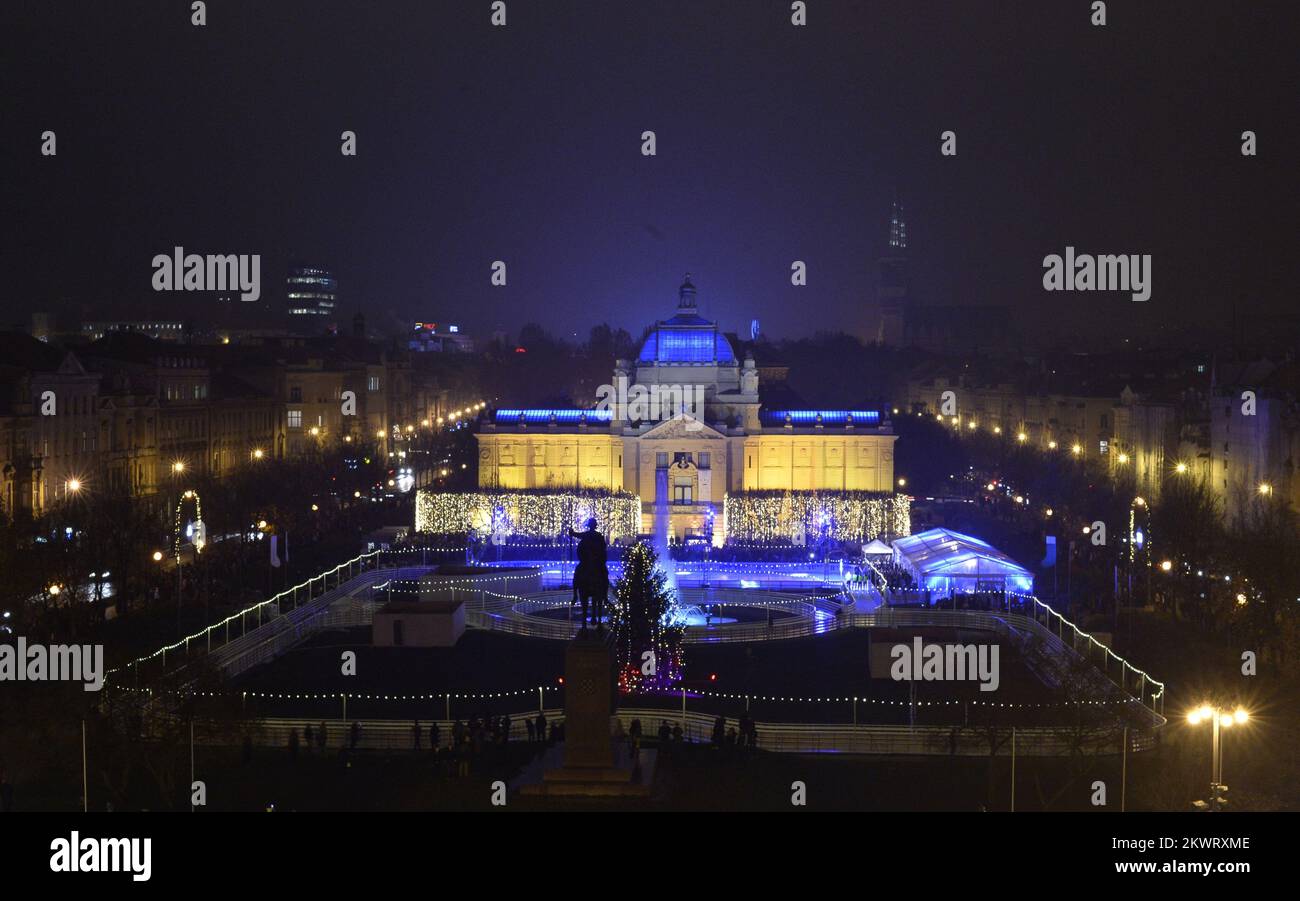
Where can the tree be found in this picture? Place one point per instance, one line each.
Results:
(646, 625)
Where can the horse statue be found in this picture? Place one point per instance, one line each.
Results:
(591, 576)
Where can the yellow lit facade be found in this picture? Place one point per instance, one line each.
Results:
(717, 441)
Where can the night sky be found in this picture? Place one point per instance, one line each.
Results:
(775, 144)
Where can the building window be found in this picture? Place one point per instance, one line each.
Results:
(1103, 446)
(295, 394)
(372, 383)
(681, 458)
(661, 460)
(682, 493)
(704, 459)
(295, 419)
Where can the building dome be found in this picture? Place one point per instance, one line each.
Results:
(686, 338)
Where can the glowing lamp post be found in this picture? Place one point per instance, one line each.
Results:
(1220, 720)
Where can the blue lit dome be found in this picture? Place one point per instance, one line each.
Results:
(686, 338)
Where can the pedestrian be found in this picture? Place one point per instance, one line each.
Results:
(435, 739)
(293, 744)
(355, 737)
(505, 728)
(532, 730)
(618, 738)
(307, 737)
(416, 733)
(321, 739)
(540, 724)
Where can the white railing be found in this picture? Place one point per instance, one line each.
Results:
(268, 609)
(308, 593)
(785, 738)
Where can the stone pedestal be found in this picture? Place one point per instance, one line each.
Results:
(589, 702)
(589, 687)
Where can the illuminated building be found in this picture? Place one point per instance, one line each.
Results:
(311, 291)
(892, 291)
(703, 435)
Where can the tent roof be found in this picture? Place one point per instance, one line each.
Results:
(877, 547)
(944, 552)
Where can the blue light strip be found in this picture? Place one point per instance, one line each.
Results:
(541, 417)
(829, 417)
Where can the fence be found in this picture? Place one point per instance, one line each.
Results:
(784, 738)
(290, 615)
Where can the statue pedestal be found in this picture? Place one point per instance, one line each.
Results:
(589, 688)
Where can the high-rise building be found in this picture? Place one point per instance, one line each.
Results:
(891, 293)
(311, 292)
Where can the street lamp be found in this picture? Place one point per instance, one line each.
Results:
(258, 453)
(1221, 719)
(1180, 467)
(1265, 488)
(157, 556)
(178, 467)
(1166, 565)
(74, 485)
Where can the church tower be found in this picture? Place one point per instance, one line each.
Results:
(892, 289)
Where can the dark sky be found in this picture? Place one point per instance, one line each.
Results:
(775, 143)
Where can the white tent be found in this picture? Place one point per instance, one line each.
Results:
(877, 548)
(948, 562)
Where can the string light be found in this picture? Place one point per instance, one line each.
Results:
(176, 522)
(532, 513)
(768, 516)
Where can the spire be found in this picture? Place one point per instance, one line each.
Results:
(686, 295)
(897, 228)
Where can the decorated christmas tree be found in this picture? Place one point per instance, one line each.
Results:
(646, 623)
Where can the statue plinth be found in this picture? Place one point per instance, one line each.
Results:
(589, 688)
(589, 702)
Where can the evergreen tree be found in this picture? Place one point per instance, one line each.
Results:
(645, 618)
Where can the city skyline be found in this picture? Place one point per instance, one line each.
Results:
(774, 145)
(658, 406)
